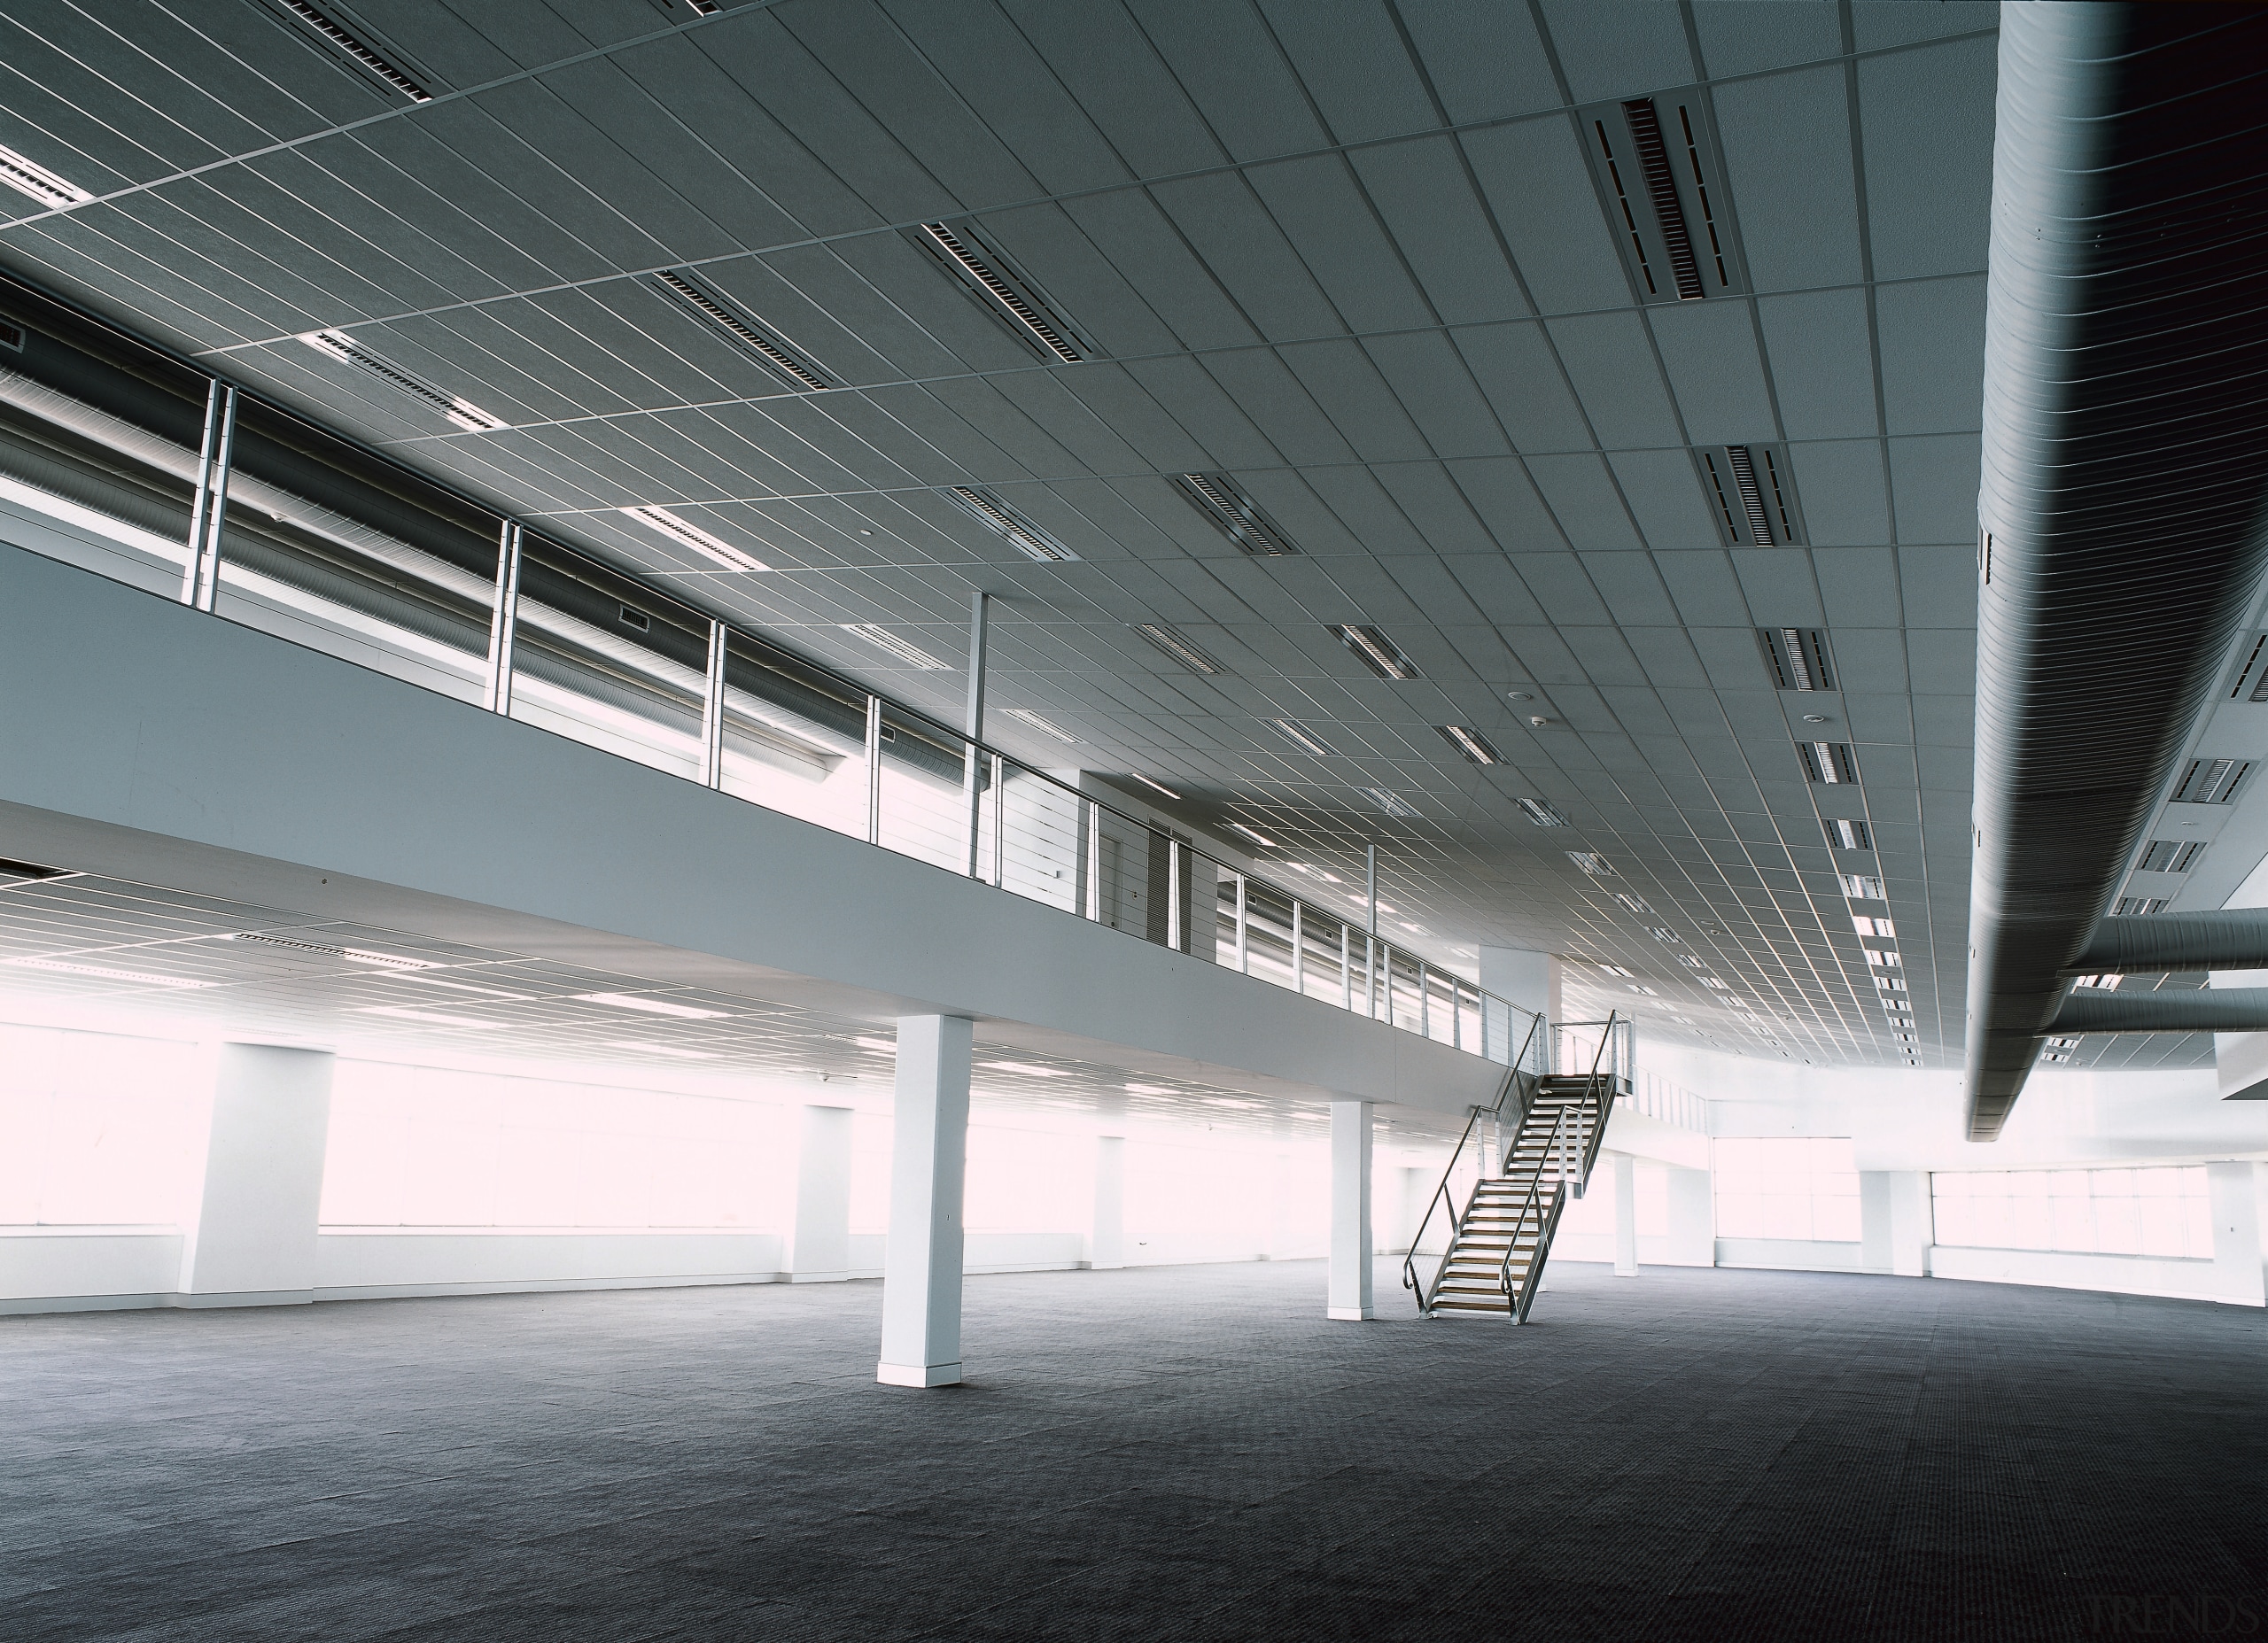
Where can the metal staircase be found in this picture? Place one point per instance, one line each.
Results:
(1530, 1152)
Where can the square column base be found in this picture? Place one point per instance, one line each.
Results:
(1349, 1315)
(918, 1375)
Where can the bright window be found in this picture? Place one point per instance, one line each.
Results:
(1804, 1187)
(422, 1147)
(98, 1129)
(2160, 1210)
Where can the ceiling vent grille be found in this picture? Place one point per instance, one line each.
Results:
(1754, 493)
(1375, 651)
(462, 412)
(751, 338)
(2136, 906)
(1829, 763)
(1659, 171)
(2211, 781)
(1475, 745)
(1860, 888)
(1015, 526)
(1661, 191)
(985, 273)
(1541, 813)
(356, 52)
(2170, 856)
(1235, 514)
(1796, 658)
(1844, 834)
(1176, 646)
(26, 176)
(2252, 682)
(1635, 903)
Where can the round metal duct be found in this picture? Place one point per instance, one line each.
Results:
(2125, 468)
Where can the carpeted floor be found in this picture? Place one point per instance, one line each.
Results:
(1172, 1453)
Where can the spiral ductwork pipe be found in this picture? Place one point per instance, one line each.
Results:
(2125, 469)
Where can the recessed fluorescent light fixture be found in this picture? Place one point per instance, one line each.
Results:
(457, 409)
(880, 1046)
(1179, 649)
(103, 973)
(644, 1049)
(1236, 516)
(1392, 802)
(1375, 651)
(1309, 745)
(1542, 814)
(693, 537)
(1611, 969)
(1025, 1068)
(430, 1018)
(1025, 716)
(1471, 743)
(26, 176)
(1592, 863)
(1151, 1089)
(1159, 786)
(1842, 834)
(882, 639)
(1013, 526)
(1860, 888)
(768, 352)
(1257, 838)
(652, 1006)
(364, 58)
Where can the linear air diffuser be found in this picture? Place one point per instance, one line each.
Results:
(1002, 291)
(1236, 516)
(461, 411)
(713, 310)
(1013, 526)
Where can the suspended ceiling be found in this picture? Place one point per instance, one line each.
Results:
(1353, 255)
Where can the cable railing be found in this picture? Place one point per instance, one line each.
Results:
(127, 460)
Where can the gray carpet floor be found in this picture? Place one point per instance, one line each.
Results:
(1171, 1453)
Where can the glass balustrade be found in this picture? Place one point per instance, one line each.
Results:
(122, 459)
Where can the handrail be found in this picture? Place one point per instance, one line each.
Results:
(709, 690)
(1442, 1195)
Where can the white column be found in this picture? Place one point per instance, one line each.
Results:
(1106, 1243)
(1912, 1217)
(921, 1269)
(819, 1238)
(1626, 1216)
(1692, 1219)
(1351, 1253)
(2233, 1190)
(253, 1242)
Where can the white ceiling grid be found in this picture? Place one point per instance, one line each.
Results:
(1348, 253)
